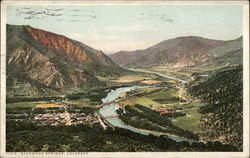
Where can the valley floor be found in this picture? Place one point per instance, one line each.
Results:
(163, 107)
(170, 104)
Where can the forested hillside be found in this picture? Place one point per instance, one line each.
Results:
(27, 137)
(222, 91)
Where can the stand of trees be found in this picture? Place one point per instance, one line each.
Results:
(142, 117)
(28, 137)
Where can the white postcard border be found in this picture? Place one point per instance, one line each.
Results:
(245, 152)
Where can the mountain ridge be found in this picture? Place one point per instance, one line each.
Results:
(177, 52)
(43, 61)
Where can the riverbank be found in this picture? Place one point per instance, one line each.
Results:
(111, 109)
(162, 133)
(175, 99)
(144, 118)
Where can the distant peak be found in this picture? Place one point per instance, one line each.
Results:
(184, 37)
(196, 38)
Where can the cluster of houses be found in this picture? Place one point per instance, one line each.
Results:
(64, 119)
(52, 119)
(82, 118)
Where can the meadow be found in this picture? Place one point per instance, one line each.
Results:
(168, 98)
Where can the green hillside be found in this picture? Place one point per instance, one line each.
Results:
(230, 54)
(222, 91)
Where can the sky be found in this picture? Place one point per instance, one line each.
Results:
(112, 28)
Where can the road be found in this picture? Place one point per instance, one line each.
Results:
(67, 119)
(101, 122)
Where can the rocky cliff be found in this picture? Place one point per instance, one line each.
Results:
(39, 61)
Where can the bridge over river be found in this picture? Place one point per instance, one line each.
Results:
(111, 116)
(107, 103)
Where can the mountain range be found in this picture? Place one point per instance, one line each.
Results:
(183, 52)
(38, 61)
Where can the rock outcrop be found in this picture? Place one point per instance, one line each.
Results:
(45, 60)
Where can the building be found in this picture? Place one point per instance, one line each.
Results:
(164, 111)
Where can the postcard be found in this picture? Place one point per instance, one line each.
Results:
(124, 79)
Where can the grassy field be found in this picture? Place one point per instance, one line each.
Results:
(169, 97)
(133, 78)
(140, 90)
(84, 102)
(175, 72)
(154, 100)
(23, 104)
(128, 78)
(151, 82)
(192, 120)
(46, 105)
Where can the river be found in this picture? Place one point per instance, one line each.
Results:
(110, 110)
